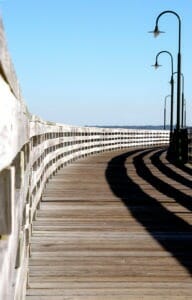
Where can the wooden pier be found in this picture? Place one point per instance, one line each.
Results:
(115, 226)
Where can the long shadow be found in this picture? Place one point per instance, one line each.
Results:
(169, 230)
(181, 166)
(155, 159)
(168, 190)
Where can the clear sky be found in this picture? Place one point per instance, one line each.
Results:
(88, 62)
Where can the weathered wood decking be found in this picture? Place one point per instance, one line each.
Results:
(114, 226)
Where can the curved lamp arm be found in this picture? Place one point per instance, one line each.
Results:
(167, 52)
(156, 30)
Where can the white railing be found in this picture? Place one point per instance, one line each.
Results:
(31, 151)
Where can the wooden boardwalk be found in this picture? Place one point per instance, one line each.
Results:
(116, 226)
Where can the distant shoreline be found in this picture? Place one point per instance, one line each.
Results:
(155, 127)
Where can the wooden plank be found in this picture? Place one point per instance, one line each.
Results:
(112, 291)
(111, 297)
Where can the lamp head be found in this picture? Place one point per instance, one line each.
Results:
(156, 31)
(171, 81)
(156, 65)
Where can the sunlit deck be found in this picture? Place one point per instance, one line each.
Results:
(114, 226)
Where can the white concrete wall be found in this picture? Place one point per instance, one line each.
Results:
(32, 150)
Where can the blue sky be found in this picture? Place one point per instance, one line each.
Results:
(88, 62)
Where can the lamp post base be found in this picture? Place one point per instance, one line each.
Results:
(178, 148)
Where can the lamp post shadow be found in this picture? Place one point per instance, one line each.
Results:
(158, 221)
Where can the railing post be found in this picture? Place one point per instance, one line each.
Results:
(7, 196)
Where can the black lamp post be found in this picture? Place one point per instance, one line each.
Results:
(165, 105)
(156, 65)
(178, 145)
(182, 97)
(156, 32)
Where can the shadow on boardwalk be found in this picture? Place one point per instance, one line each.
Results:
(169, 172)
(183, 167)
(169, 230)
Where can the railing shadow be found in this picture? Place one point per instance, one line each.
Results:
(181, 166)
(168, 171)
(169, 230)
(163, 187)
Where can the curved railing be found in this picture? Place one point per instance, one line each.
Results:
(31, 151)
